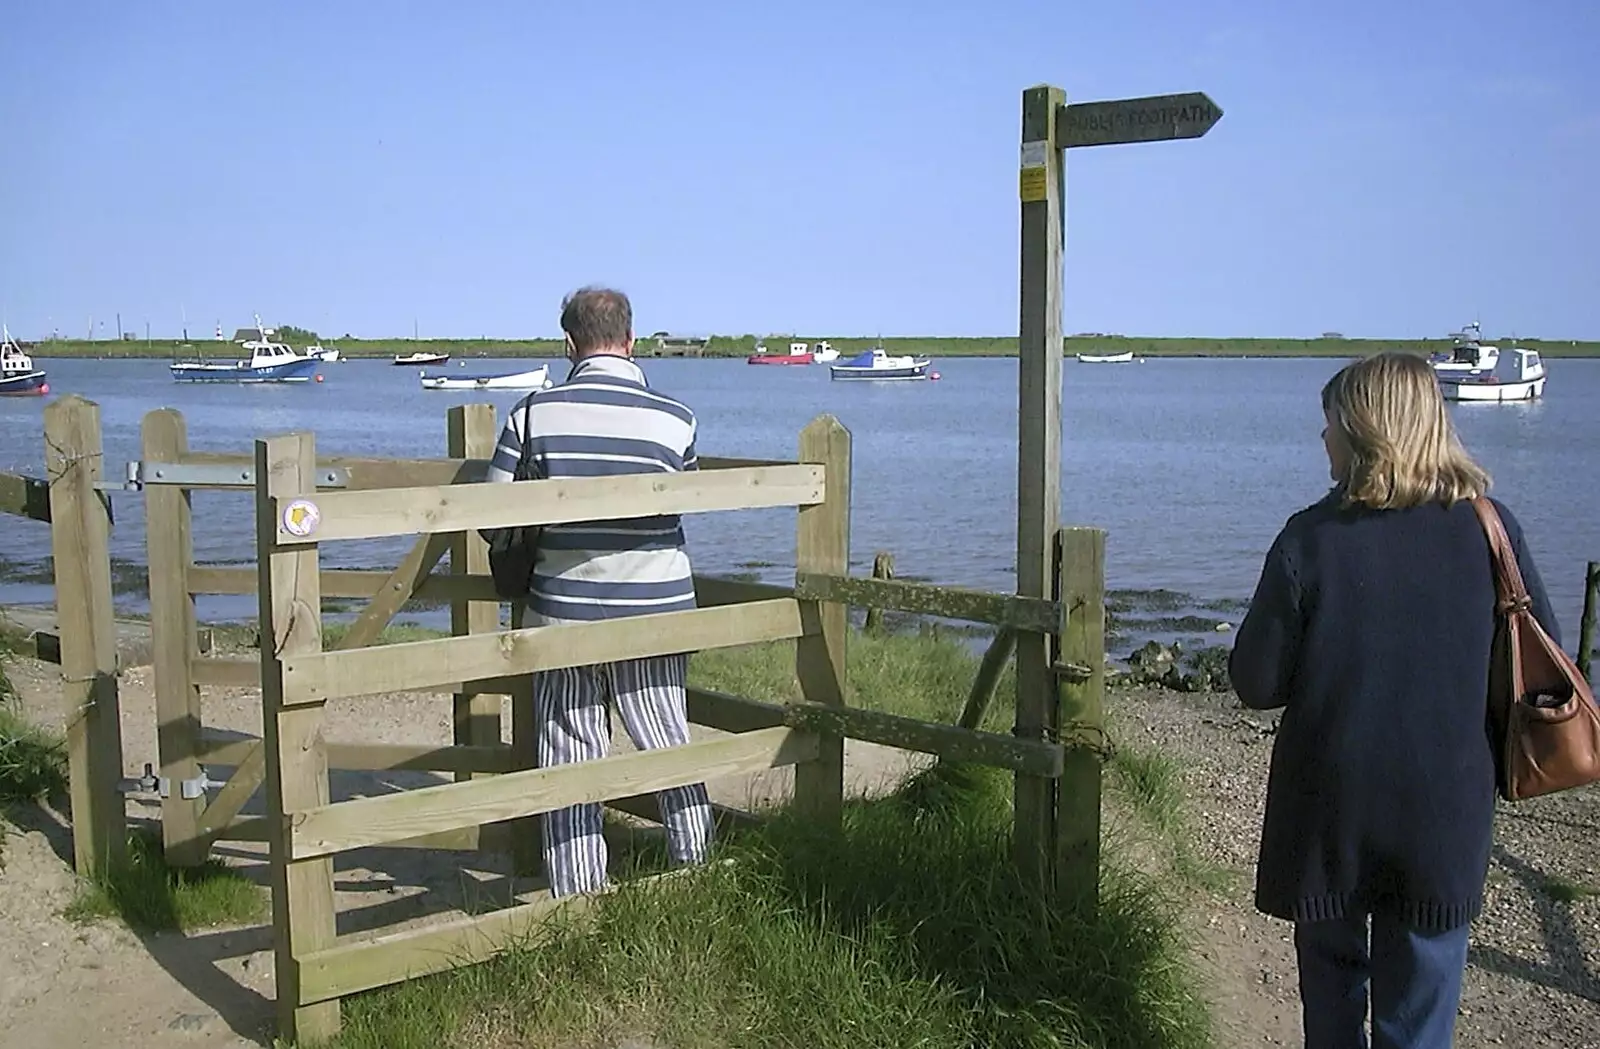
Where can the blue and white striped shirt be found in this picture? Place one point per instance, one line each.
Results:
(603, 421)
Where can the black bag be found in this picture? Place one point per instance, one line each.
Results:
(512, 550)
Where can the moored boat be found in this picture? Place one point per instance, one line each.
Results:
(422, 358)
(1467, 353)
(322, 353)
(269, 361)
(535, 379)
(18, 376)
(1106, 358)
(799, 353)
(1517, 375)
(875, 364)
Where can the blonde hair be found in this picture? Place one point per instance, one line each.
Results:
(1388, 416)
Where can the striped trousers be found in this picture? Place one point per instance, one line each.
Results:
(574, 714)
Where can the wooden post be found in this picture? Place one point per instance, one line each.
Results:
(525, 845)
(174, 640)
(1082, 720)
(882, 568)
(80, 533)
(1586, 626)
(1038, 462)
(296, 750)
(823, 546)
(472, 435)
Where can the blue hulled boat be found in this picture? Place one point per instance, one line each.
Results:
(875, 364)
(18, 376)
(268, 362)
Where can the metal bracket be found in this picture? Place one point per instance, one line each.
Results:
(161, 786)
(189, 789)
(211, 475)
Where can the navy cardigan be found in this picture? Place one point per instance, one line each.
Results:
(1372, 629)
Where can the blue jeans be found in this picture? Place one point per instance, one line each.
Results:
(1414, 976)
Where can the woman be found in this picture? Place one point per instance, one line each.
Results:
(1371, 627)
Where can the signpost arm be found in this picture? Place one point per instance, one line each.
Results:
(1038, 463)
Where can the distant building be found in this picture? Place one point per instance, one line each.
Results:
(1332, 335)
(666, 344)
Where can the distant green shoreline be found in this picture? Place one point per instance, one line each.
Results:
(725, 347)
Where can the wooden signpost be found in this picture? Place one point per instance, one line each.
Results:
(1154, 119)
(1061, 683)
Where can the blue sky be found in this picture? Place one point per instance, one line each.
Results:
(1383, 169)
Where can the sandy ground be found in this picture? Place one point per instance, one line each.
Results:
(1534, 979)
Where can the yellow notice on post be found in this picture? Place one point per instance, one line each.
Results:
(1033, 182)
(1034, 187)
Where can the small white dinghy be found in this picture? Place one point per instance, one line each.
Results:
(537, 379)
(1106, 358)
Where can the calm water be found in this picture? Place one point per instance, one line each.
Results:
(1192, 465)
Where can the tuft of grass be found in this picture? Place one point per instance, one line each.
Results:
(921, 676)
(33, 760)
(904, 925)
(245, 636)
(393, 634)
(12, 640)
(152, 897)
(1565, 890)
(1153, 784)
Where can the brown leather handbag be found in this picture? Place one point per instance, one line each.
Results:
(1542, 714)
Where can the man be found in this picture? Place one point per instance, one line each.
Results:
(603, 421)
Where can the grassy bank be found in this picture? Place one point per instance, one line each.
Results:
(741, 346)
(903, 926)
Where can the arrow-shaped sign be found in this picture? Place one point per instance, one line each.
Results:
(1154, 119)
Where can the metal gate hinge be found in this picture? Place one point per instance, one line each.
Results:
(161, 786)
(211, 475)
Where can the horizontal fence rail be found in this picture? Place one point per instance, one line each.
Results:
(347, 825)
(25, 497)
(376, 514)
(366, 474)
(1038, 615)
(440, 587)
(355, 964)
(414, 665)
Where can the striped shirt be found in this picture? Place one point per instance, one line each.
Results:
(603, 421)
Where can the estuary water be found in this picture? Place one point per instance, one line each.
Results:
(1190, 464)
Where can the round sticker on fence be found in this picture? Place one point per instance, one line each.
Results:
(300, 518)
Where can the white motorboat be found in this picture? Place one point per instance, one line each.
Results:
(1106, 358)
(422, 358)
(824, 354)
(875, 364)
(536, 379)
(1518, 375)
(1467, 353)
(322, 353)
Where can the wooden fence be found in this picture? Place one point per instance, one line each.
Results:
(444, 503)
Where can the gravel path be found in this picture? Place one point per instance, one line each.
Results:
(1533, 979)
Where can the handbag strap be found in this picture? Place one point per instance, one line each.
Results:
(1511, 594)
(522, 452)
